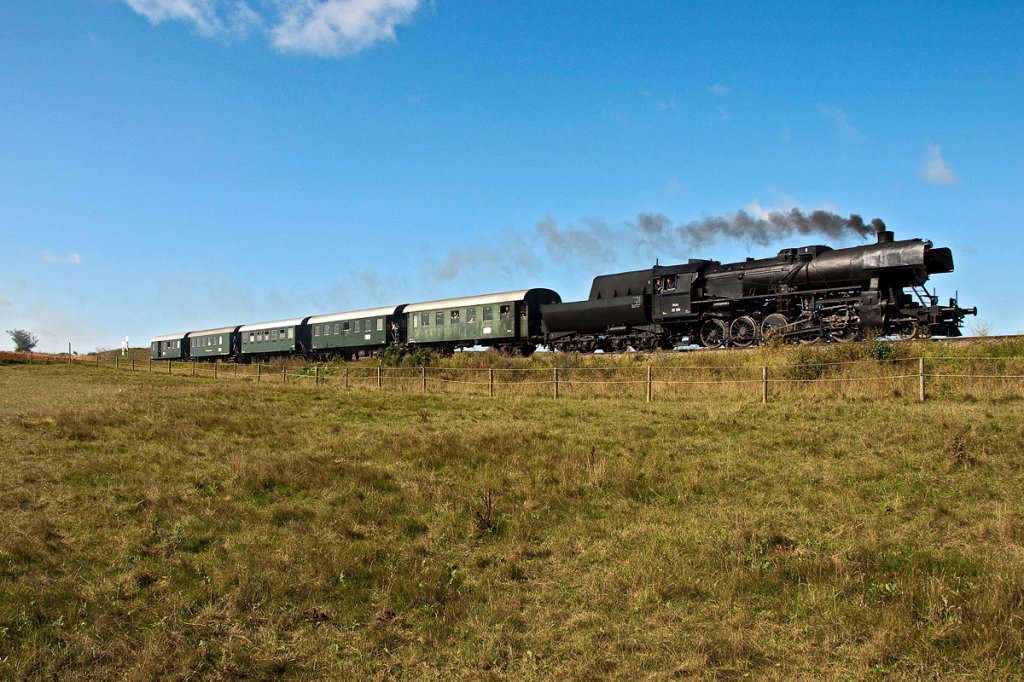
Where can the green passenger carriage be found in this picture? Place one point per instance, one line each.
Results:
(267, 339)
(214, 344)
(169, 347)
(355, 333)
(508, 321)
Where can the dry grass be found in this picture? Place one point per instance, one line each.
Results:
(165, 527)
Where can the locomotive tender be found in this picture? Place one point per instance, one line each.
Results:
(809, 293)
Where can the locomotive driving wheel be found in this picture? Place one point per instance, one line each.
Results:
(714, 333)
(743, 331)
(772, 325)
(906, 330)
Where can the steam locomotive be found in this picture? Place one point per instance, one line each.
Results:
(804, 294)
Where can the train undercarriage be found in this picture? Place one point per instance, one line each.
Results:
(835, 318)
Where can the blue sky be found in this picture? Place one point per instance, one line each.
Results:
(168, 165)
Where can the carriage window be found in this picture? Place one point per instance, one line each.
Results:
(425, 319)
(337, 328)
(455, 316)
(273, 335)
(345, 327)
(471, 315)
(415, 321)
(488, 314)
(356, 326)
(380, 324)
(291, 333)
(282, 333)
(220, 340)
(504, 311)
(439, 319)
(252, 337)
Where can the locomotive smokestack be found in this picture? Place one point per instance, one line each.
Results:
(884, 236)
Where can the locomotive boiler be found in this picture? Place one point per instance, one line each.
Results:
(802, 294)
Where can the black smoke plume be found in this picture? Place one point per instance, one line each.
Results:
(744, 227)
(597, 244)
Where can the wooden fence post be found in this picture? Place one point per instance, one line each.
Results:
(193, 368)
(215, 363)
(235, 369)
(284, 375)
(168, 366)
(151, 365)
(490, 382)
(556, 383)
(424, 379)
(133, 364)
(920, 378)
(258, 372)
(764, 385)
(316, 375)
(650, 385)
(346, 377)
(116, 364)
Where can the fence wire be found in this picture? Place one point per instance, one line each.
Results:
(656, 381)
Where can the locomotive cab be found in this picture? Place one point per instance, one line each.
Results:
(674, 289)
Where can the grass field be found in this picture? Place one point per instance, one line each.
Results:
(157, 526)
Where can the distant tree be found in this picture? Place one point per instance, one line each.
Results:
(24, 340)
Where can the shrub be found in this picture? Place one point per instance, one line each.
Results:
(24, 340)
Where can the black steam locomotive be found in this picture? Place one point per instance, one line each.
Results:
(805, 294)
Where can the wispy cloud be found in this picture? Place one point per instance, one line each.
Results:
(719, 89)
(337, 27)
(74, 257)
(327, 28)
(937, 170)
(841, 121)
(660, 103)
(202, 14)
(676, 186)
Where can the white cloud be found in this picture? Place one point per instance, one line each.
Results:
(937, 170)
(200, 13)
(719, 89)
(319, 27)
(337, 27)
(841, 121)
(74, 257)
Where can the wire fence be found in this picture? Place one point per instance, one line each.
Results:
(920, 378)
